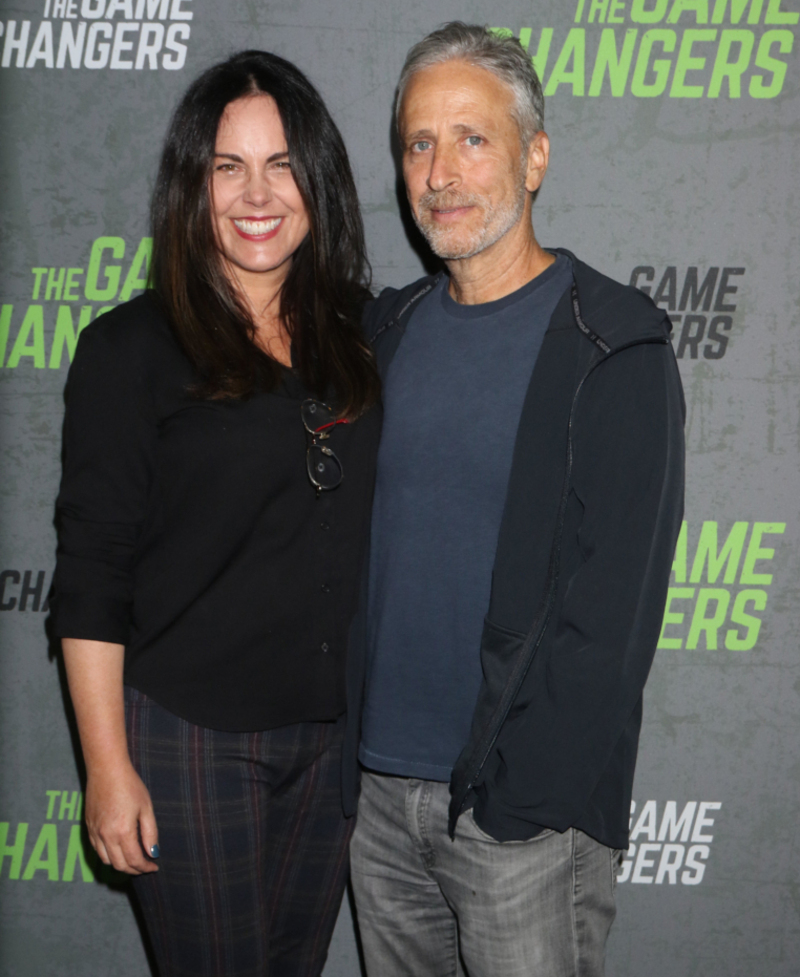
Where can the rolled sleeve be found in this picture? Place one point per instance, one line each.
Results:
(110, 436)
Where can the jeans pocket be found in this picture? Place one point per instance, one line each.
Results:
(617, 855)
(473, 830)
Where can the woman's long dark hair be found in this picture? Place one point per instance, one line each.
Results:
(324, 292)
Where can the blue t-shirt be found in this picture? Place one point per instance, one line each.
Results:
(452, 400)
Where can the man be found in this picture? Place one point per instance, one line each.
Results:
(528, 501)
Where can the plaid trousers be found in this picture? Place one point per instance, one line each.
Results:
(253, 844)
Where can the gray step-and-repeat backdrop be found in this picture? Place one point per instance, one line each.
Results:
(674, 128)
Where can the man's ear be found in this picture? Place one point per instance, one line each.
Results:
(537, 160)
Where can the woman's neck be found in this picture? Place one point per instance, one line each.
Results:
(262, 298)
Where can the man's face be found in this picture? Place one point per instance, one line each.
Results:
(466, 172)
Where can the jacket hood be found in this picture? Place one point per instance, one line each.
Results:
(619, 314)
(611, 314)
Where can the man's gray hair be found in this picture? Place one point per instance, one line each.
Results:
(503, 55)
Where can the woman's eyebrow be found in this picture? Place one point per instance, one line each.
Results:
(238, 159)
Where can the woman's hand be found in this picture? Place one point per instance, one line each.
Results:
(119, 812)
(120, 819)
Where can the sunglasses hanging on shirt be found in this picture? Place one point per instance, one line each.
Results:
(323, 467)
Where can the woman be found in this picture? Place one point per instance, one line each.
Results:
(220, 439)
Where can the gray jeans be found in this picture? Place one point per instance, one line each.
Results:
(431, 907)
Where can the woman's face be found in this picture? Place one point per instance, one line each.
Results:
(259, 216)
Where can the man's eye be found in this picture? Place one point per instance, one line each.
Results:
(420, 146)
(474, 140)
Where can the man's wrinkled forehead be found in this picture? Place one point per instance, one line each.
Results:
(454, 93)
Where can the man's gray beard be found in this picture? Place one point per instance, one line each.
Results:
(496, 223)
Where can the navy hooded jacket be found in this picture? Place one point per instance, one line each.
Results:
(591, 518)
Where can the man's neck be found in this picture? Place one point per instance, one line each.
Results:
(501, 269)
